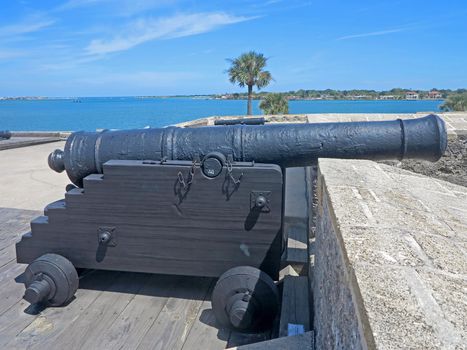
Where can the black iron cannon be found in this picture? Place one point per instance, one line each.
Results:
(286, 145)
(244, 121)
(202, 201)
(5, 135)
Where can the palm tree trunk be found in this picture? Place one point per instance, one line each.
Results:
(250, 90)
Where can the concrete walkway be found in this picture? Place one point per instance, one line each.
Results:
(26, 182)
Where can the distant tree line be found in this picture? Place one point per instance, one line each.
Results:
(330, 94)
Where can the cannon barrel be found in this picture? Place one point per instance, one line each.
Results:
(5, 134)
(245, 121)
(287, 145)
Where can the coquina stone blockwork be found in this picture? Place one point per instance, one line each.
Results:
(335, 312)
(390, 265)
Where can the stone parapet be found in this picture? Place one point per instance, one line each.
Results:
(17, 142)
(391, 265)
(59, 134)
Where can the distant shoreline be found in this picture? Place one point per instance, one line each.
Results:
(201, 97)
(396, 94)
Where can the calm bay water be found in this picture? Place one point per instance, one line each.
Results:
(130, 112)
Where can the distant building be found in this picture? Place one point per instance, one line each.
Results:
(359, 97)
(387, 97)
(435, 95)
(411, 95)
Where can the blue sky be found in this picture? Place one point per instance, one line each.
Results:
(166, 47)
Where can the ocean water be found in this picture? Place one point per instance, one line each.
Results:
(131, 112)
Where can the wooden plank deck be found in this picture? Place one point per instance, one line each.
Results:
(112, 310)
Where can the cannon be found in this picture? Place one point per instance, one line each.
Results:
(205, 201)
(5, 135)
(244, 121)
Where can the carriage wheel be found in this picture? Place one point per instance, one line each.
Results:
(50, 279)
(245, 299)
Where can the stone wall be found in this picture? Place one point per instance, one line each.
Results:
(335, 312)
(390, 259)
(451, 167)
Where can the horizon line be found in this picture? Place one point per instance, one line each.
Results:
(219, 93)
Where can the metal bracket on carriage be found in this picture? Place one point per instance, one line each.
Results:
(107, 236)
(259, 201)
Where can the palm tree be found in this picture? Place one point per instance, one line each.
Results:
(247, 69)
(455, 102)
(274, 104)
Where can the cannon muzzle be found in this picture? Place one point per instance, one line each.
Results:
(287, 145)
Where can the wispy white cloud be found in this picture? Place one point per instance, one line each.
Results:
(26, 26)
(65, 61)
(272, 2)
(202, 52)
(9, 54)
(279, 5)
(72, 4)
(141, 78)
(148, 29)
(378, 33)
(13, 34)
(119, 7)
(132, 7)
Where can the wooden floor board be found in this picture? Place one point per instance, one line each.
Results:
(47, 327)
(95, 319)
(174, 322)
(7, 255)
(140, 314)
(13, 223)
(14, 320)
(11, 291)
(205, 333)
